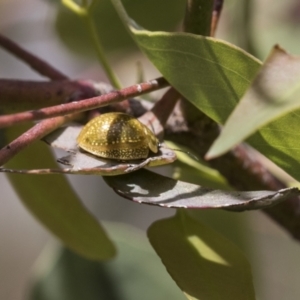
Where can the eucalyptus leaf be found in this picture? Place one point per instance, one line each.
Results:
(203, 263)
(192, 169)
(136, 273)
(84, 163)
(54, 203)
(274, 93)
(211, 73)
(184, 172)
(150, 13)
(150, 188)
(214, 75)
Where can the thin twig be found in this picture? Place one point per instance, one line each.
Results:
(33, 61)
(244, 33)
(241, 167)
(85, 11)
(198, 16)
(20, 95)
(218, 5)
(157, 117)
(112, 77)
(36, 132)
(88, 104)
(163, 108)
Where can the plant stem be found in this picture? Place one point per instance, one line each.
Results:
(198, 16)
(74, 7)
(100, 52)
(84, 105)
(245, 32)
(37, 132)
(84, 12)
(218, 5)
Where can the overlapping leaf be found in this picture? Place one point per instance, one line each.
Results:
(203, 263)
(210, 73)
(274, 93)
(73, 32)
(214, 75)
(195, 170)
(84, 163)
(53, 202)
(136, 273)
(150, 188)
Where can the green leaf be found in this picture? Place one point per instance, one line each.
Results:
(150, 13)
(188, 169)
(150, 188)
(274, 93)
(203, 263)
(84, 163)
(79, 162)
(214, 75)
(184, 172)
(136, 273)
(210, 73)
(54, 203)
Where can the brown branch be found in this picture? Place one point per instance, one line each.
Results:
(241, 167)
(37, 132)
(164, 107)
(20, 95)
(157, 117)
(34, 62)
(218, 5)
(88, 104)
(198, 16)
(287, 213)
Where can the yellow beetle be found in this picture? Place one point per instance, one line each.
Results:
(117, 136)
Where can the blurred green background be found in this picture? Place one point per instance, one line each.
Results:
(50, 31)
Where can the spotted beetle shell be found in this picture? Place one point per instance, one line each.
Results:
(117, 136)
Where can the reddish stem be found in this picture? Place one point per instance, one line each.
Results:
(164, 107)
(37, 132)
(157, 117)
(88, 104)
(218, 5)
(20, 95)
